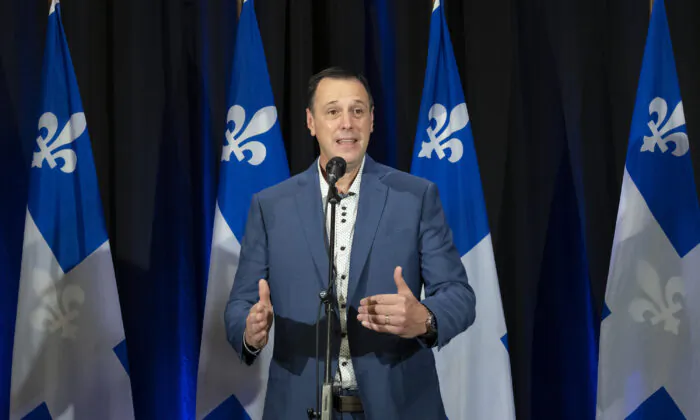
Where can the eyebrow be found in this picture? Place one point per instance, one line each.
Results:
(356, 101)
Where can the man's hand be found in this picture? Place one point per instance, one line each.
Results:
(259, 320)
(400, 314)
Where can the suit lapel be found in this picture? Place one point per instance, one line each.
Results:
(310, 211)
(373, 194)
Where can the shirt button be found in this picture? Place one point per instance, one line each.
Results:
(342, 248)
(345, 363)
(344, 335)
(343, 276)
(344, 208)
(342, 305)
(344, 214)
(342, 221)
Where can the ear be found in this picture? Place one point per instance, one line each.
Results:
(310, 122)
(371, 117)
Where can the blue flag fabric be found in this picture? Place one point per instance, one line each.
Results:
(649, 347)
(253, 158)
(474, 368)
(69, 358)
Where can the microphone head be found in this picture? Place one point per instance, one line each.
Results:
(335, 169)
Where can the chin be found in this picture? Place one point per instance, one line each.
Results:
(352, 158)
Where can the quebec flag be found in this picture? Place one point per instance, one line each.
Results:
(253, 158)
(69, 359)
(649, 340)
(474, 368)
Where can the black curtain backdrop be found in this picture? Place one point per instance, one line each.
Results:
(550, 87)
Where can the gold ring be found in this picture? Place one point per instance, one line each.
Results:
(386, 319)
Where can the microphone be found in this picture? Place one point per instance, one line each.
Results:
(335, 169)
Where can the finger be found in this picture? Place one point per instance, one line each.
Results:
(264, 292)
(388, 299)
(401, 285)
(260, 308)
(264, 318)
(256, 322)
(260, 336)
(261, 326)
(389, 329)
(395, 320)
(252, 330)
(381, 309)
(362, 317)
(264, 308)
(252, 317)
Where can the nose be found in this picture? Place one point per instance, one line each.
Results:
(347, 120)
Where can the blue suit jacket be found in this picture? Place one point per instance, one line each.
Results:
(400, 222)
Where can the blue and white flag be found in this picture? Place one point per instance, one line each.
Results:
(474, 368)
(69, 359)
(253, 158)
(649, 342)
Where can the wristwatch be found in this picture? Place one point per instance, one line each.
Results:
(430, 323)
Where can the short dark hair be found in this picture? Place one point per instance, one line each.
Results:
(335, 73)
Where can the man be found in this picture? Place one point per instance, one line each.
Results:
(392, 239)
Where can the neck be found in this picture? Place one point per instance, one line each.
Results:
(345, 182)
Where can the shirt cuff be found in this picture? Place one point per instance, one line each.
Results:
(252, 351)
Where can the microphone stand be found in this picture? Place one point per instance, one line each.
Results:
(327, 296)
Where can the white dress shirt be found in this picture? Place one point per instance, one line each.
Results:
(345, 215)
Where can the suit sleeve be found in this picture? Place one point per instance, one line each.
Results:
(448, 294)
(252, 266)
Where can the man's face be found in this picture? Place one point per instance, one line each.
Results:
(341, 120)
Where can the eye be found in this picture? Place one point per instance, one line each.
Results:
(332, 112)
(358, 112)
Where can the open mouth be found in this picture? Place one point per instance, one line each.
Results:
(345, 141)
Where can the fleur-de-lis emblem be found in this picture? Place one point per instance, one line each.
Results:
(57, 311)
(661, 305)
(459, 118)
(48, 145)
(661, 126)
(262, 122)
